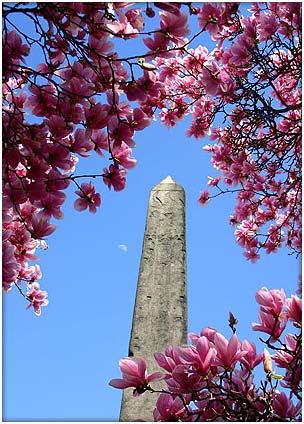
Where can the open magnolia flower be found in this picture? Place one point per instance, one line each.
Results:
(212, 379)
(134, 374)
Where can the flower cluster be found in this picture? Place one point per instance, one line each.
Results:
(258, 150)
(85, 97)
(213, 379)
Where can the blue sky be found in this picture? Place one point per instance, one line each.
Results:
(57, 366)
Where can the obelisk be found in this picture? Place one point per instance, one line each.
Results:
(160, 311)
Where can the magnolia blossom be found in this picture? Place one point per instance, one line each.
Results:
(115, 177)
(175, 25)
(270, 325)
(122, 155)
(294, 309)
(204, 197)
(201, 357)
(37, 297)
(284, 406)
(169, 359)
(88, 198)
(183, 381)
(271, 301)
(212, 379)
(134, 374)
(88, 97)
(251, 359)
(228, 352)
(169, 408)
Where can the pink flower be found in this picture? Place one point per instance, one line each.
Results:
(37, 297)
(14, 43)
(100, 45)
(202, 118)
(121, 131)
(284, 407)
(213, 182)
(239, 54)
(11, 267)
(139, 121)
(81, 143)
(58, 126)
(208, 332)
(271, 301)
(176, 26)
(246, 232)
(294, 309)
(267, 26)
(210, 78)
(33, 273)
(228, 353)
(169, 359)
(122, 27)
(201, 356)
(13, 52)
(56, 181)
(252, 255)
(122, 155)
(115, 177)
(283, 359)
(52, 202)
(43, 101)
(41, 226)
(134, 374)
(97, 116)
(158, 42)
(58, 156)
(100, 140)
(251, 359)
(78, 88)
(135, 18)
(135, 92)
(184, 381)
(88, 198)
(203, 198)
(209, 17)
(270, 325)
(169, 408)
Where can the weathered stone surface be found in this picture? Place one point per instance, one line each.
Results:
(160, 312)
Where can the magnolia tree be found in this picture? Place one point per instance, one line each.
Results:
(85, 96)
(213, 378)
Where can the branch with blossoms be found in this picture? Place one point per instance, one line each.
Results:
(85, 97)
(214, 379)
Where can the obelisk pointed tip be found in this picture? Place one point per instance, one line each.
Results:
(167, 180)
(167, 184)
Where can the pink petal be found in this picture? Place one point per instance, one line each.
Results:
(155, 376)
(202, 346)
(128, 366)
(118, 383)
(232, 346)
(142, 367)
(187, 353)
(80, 204)
(221, 344)
(209, 357)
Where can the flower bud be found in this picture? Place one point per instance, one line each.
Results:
(150, 12)
(145, 65)
(267, 362)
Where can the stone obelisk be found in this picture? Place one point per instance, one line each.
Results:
(160, 311)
